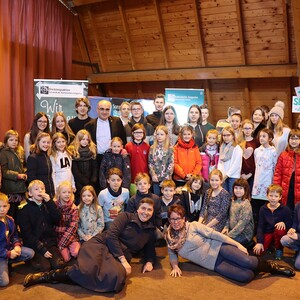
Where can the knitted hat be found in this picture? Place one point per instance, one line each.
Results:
(278, 109)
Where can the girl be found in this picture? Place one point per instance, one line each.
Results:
(191, 197)
(258, 120)
(91, 220)
(13, 171)
(235, 122)
(279, 129)
(265, 158)
(40, 124)
(210, 153)
(39, 165)
(115, 157)
(169, 119)
(114, 197)
(60, 124)
(194, 119)
(61, 161)
(84, 164)
(240, 224)
(124, 112)
(68, 241)
(138, 151)
(187, 159)
(287, 171)
(161, 158)
(230, 160)
(248, 145)
(214, 211)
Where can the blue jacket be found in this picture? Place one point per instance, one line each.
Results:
(7, 243)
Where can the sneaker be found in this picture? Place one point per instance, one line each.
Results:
(278, 254)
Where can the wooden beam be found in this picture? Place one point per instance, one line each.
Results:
(84, 2)
(241, 31)
(162, 34)
(286, 31)
(209, 102)
(296, 18)
(126, 33)
(261, 71)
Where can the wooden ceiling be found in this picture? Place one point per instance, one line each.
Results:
(138, 47)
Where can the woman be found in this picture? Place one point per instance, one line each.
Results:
(60, 124)
(213, 250)
(125, 112)
(194, 120)
(258, 120)
(103, 261)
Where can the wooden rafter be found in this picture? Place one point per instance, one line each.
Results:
(126, 32)
(296, 17)
(286, 31)
(85, 2)
(209, 100)
(262, 71)
(241, 32)
(162, 34)
(200, 32)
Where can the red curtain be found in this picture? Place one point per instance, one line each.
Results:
(35, 43)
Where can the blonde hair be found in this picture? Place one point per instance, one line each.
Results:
(213, 132)
(19, 150)
(274, 188)
(67, 128)
(60, 187)
(241, 137)
(231, 131)
(56, 136)
(75, 145)
(140, 176)
(94, 203)
(166, 144)
(168, 183)
(4, 198)
(35, 148)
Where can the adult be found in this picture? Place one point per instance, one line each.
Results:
(82, 106)
(159, 103)
(280, 130)
(258, 120)
(213, 250)
(137, 116)
(124, 112)
(204, 119)
(103, 261)
(40, 123)
(226, 122)
(60, 124)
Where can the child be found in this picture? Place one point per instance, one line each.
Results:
(187, 159)
(214, 211)
(287, 171)
(210, 153)
(115, 158)
(138, 151)
(273, 223)
(235, 122)
(91, 220)
(114, 197)
(68, 240)
(13, 171)
(192, 197)
(36, 220)
(258, 120)
(240, 224)
(265, 157)
(248, 145)
(161, 158)
(292, 239)
(39, 164)
(168, 198)
(60, 124)
(142, 182)
(230, 160)
(11, 250)
(84, 164)
(61, 161)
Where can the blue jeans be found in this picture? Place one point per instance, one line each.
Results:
(228, 185)
(26, 254)
(156, 188)
(235, 264)
(288, 242)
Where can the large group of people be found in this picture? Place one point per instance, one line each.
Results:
(84, 196)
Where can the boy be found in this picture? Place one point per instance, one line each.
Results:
(11, 249)
(37, 218)
(273, 222)
(167, 199)
(142, 182)
(113, 198)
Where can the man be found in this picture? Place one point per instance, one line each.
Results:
(159, 103)
(137, 112)
(82, 106)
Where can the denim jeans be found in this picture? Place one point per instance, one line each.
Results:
(288, 242)
(228, 185)
(26, 254)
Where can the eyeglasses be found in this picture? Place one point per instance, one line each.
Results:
(175, 219)
(136, 109)
(295, 138)
(138, 132)
(104, 109)
(42, 122)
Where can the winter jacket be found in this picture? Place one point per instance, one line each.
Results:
(208, 165)
(283, 172)
(187, 159)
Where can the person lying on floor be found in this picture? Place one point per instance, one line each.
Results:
(214, 251)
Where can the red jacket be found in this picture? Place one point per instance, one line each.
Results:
(187, 159)
(283, 172)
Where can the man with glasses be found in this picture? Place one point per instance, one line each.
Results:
(137, 116)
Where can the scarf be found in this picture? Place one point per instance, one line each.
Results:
(226, 151)
(113, 193)
(211, 152)
(176, 238)
(85, 154)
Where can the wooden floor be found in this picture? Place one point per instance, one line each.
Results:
(196, 283)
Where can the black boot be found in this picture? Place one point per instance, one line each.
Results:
(272, 267)
(53, 276)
